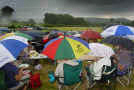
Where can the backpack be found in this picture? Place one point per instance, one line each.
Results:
(35, 81)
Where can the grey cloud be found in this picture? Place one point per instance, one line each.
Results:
(37, 8)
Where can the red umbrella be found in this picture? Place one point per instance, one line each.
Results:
(49, 37)
(45, 39)
(90, 34)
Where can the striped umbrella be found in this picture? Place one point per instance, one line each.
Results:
(119, 30)
(65, 48)
(10, 50)
(17, 36)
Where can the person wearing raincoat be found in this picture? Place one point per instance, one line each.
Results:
(13, 76)
(59, 72)
(124, 57)
(103, 54)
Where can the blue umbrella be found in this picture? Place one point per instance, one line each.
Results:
(119, 30)
(10, 50)
(116, 40)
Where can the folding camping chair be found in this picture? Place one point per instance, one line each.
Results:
(124, 71)
(124, 76)
(72, 76)
(108, 73)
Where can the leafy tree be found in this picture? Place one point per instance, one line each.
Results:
(63, 20)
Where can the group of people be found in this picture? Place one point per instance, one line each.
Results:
(17, 73)
(123, 58)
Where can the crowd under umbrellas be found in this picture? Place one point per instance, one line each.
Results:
(66, 48)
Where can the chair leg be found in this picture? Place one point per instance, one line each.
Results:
(127, 79)
(77, 86)
(60, 87)
(118, 79)
(92, 85)
(87, 81)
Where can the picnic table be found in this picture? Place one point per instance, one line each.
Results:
(40, 56)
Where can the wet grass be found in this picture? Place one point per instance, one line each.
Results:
(46, 85)
(98, 29)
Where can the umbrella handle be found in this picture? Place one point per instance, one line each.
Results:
(64, 34)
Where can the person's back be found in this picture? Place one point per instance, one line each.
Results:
(13, 76)
(124, 57)
(10, 72)
(59, 72)
(96, 67)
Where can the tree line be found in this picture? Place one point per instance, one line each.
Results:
(54, 20)
(63, 20)
(51, 19)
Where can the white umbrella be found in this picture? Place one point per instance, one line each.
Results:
(100, 50)
(10, 50)
(76, 35)
(119, 30)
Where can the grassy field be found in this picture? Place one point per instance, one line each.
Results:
(98, 29)
(49, 66)
(46, 85)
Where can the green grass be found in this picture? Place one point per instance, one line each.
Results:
(46, 85)
(98, 29)
(48, 66)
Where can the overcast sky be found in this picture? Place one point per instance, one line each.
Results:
(81, 8)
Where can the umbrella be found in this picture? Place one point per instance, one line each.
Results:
(76, 35)
(119, 30)
(52, 36)
(90, 34)
(10, 50)
(116, 40)
(100, 50)
(65, 48)
(17, 36)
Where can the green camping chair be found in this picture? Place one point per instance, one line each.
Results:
(72, 76)
(2, 81)
(108, 73)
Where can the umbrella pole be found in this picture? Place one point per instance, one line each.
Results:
(64, 34)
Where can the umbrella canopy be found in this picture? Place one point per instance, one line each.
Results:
(17, 36)
(65, 48)
(90, 34)
(76, 35)
(36, 34)
(116, 40)
(100, 50)
(52, 36)
(10, 50)
(119, 30)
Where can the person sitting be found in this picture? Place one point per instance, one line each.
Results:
(124, 58)
(13, 77)
(68, 73)
(125, 64)
(24, 56)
